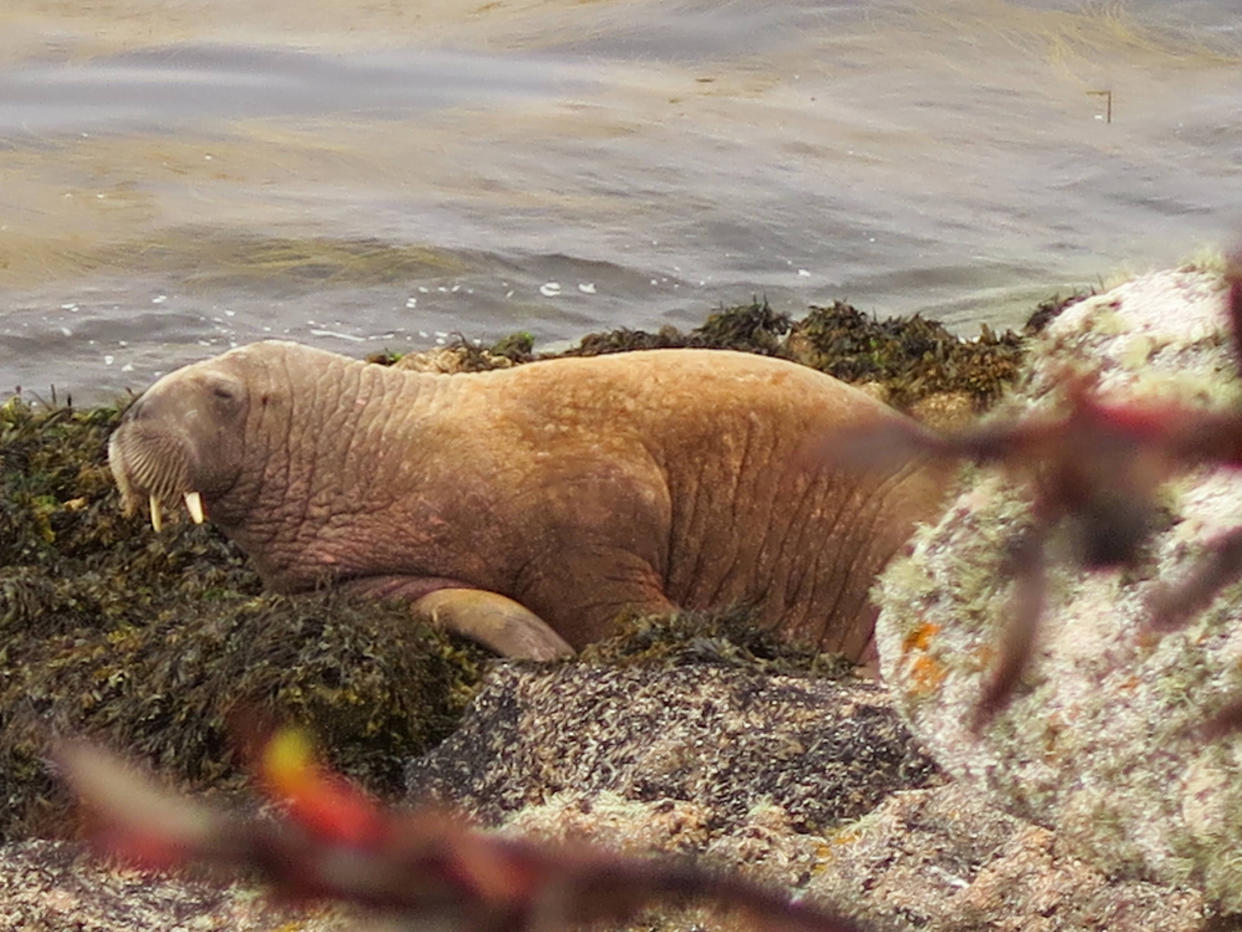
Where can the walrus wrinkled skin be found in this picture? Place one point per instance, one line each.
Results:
(531, 507)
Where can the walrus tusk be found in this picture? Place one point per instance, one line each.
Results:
(157, 517)
(194, 505)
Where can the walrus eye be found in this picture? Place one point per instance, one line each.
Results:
(225, 392)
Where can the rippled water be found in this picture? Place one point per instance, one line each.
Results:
(179, 178)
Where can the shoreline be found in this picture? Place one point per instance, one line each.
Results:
(147, 645)
(89, 596)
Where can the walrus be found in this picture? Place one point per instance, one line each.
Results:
(532, 508)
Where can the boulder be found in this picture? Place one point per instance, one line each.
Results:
(1103, 742)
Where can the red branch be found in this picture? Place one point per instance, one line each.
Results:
(333, 843)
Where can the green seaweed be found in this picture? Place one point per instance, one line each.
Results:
(750, 328)
(518, 346)
(728, 638)
(156, 644)
(911, 357)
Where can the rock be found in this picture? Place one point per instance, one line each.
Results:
(786, 780)
(825, 751)
(935, 859)
(716, 752)
(944, 859)
(781, 786)
(50, 886)
(1100, 744)
(449, 360)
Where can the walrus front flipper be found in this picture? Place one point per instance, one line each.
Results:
(495, 621)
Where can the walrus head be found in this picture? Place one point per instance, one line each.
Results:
(183, 439)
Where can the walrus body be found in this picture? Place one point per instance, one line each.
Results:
(551, 497)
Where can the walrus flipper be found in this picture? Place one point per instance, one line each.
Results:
(495, 621)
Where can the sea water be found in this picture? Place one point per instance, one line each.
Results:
(176, 179)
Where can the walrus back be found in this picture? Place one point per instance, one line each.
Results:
(755, 517)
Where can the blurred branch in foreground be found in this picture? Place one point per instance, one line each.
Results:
(334, 843)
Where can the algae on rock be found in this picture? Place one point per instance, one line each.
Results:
(1102, 740)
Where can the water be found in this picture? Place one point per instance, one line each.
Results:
(181, 178)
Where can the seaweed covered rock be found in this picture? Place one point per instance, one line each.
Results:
(461, 356)
(375, 686)
(1103, 741)
(716, 638)
(57, 885)
(747, 328)
(937, 858)
(694, 735)
(824, 751)
(912, 363)
(68, 556)
(911, 357)
(148, 641)
(155, 644)
(691, 715)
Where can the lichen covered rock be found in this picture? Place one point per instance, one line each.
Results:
(1102, 742)
(774, 777)
(49, 886)
(719, 736)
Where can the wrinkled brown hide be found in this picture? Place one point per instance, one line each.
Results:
(579, 489)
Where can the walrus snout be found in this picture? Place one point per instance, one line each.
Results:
(154, 467)
(172, 444)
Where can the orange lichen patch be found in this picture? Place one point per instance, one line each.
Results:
(926, 675)
(920, 638)
(846, 837)
(826, 851)
(985, 654)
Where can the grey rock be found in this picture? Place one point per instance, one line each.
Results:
(1100, 744)
(583, 754)
(50, 886)
(823, 750)
(796, 783)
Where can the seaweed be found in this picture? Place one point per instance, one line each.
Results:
(750, 328)
(911, 357)
(518, 347)
(913, 363)
(908, 359)
(156, 644)
(1049, 309)
(729, 638)
(462, 355)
